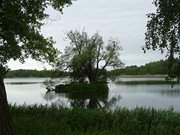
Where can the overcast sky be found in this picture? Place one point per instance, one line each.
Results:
(124, 20)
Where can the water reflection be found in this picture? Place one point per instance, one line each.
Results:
(130, 96)
(96, 98)
(172, 92)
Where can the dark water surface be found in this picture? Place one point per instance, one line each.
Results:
(32, 91)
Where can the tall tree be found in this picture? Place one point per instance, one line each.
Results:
(20, 38)
(88, 57)
(163, 30)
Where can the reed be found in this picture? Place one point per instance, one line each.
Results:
(43, 120)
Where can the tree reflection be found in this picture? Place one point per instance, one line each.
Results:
(88, 99)
(94, 99)
(170, 93)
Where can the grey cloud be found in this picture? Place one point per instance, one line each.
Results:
(122, 19)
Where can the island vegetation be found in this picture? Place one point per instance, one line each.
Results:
(89, 57)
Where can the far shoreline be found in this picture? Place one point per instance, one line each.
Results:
(120, 76)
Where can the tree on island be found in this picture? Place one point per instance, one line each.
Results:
(88, 57)
(163, 32)
(20, 38)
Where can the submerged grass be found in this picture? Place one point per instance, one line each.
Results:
(61, 121)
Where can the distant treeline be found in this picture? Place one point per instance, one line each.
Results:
(35, 73)
(153, 68)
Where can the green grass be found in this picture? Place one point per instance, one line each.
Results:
(53, 121)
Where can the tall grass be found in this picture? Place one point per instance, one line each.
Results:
(61, 121)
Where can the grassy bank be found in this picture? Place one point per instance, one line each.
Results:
(53, 121)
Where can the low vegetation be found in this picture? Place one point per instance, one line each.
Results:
(34, 73)
(60, 121)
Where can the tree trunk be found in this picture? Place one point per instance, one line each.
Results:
(92, 78)
(6, 127)
(93, 103)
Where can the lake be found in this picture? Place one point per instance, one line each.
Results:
(30, 91)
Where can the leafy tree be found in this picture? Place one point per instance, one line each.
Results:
(88, 57)
(20, 38)
(163, 30)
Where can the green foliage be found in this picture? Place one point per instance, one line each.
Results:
(20, 35)
(35, 73)
(163, 29)
(54, 121)
(81, 87)
(88, 56)
(153, 68)
(3, 71)
(94, 95)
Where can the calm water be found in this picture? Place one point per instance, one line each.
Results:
(31, 91)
